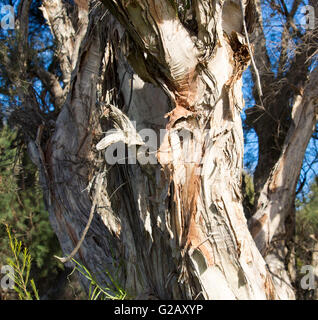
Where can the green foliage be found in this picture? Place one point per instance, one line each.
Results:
(306, 234)
(21, 264)
(307, 225)
(96, 290)
(22, 207)
(307, 215)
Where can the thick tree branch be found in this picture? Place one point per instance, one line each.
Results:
(275, 196)
(52, 84)
(68, 39)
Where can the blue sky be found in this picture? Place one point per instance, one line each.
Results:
(273, 31)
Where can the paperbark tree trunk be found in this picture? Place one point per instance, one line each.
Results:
(173, 228)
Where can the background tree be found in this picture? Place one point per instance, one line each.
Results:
(286, 56)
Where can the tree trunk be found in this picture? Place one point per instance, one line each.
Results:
(172, 223)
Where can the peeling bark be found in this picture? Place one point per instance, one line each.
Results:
(175, 229)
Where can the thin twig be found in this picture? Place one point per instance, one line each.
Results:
(100, 177)
(258, 80)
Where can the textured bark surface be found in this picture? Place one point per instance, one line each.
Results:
(175, 229)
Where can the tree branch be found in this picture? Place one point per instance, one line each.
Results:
(275, 196)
